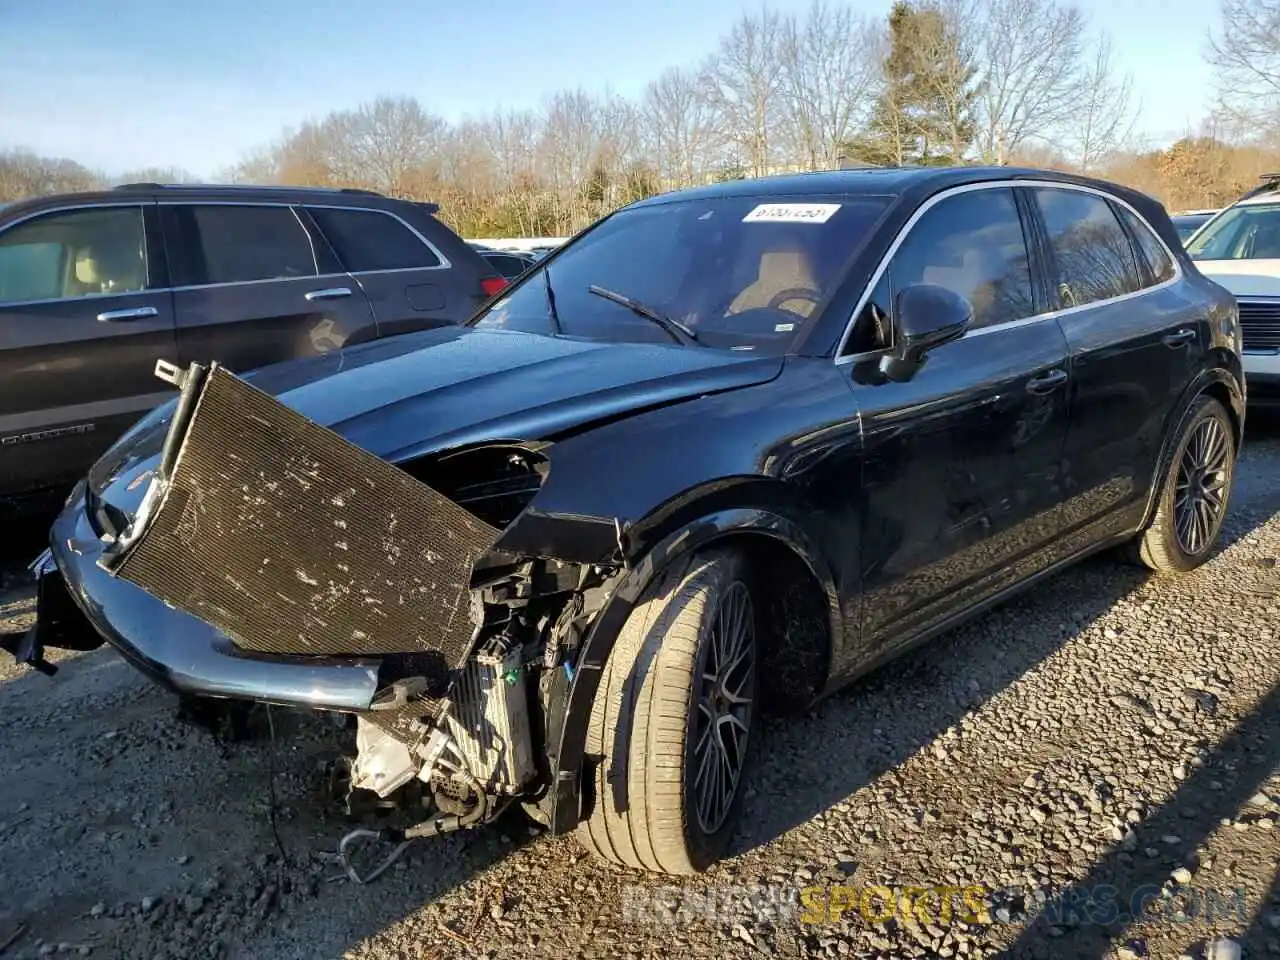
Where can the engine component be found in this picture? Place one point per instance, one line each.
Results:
(489, 718)
(383, 763)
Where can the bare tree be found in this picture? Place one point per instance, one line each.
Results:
(1246, 59)
(26, 174)
(828, 75)
(383, 142)
(586, 144)
(157, 175)
(680, 126)
(1105, 119)
(746, 87)
(1030, 51)
(1006, 80)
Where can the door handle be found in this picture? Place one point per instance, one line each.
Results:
(135, 313)
(1047, 382)
(1180, 338)
(329, 293)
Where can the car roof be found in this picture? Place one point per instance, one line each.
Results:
(873, 181)
(215, 191)
(908, 187)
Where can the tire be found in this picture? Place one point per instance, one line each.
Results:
(1165, 545)
(646, 726)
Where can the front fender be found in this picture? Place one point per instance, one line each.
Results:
(566, 755)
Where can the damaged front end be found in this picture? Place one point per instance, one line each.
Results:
(302, 549)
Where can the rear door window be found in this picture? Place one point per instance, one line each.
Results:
(368, 240)
(971, 243)
(1157, 259)
(1091, 251)
(509, 267)
(76, 253)
(238, 244)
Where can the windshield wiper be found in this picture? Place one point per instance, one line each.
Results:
(676, 330)
(551, 301)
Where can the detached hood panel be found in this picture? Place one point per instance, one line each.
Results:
(406, 396)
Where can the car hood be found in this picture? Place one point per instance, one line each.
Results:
(406, 396)
(1244, 278)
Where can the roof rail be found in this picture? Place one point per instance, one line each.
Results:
(358, 191)
(1269, 183)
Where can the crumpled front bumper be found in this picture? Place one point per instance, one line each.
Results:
(185, 653)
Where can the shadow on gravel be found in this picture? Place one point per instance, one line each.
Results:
(1231, 774)
(850, 740)
(1262, 932)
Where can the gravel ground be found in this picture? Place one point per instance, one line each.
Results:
(1108, 730)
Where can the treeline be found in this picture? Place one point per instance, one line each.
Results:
(937, 81)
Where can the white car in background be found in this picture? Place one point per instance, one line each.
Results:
(1240, 249)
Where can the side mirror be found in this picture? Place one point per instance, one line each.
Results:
(927, 317)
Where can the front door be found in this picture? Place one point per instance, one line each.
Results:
(961, 476)
(251, 288)
(81, 329)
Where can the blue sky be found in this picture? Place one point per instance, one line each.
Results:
(157, 82)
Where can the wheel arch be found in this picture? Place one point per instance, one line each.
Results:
(768, 537)
(1222, 385)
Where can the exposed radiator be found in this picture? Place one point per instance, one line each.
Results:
(292, 540)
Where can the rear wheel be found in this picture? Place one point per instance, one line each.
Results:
(1193, 501)
(672, 721)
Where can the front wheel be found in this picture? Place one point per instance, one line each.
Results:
(672, 721)
(1193, 500)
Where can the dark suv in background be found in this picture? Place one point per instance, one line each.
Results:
(96, 287)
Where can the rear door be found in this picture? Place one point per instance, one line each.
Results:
(252, 287)
(1135, 345)
(408, 280)
(961, 476)
(85, 313)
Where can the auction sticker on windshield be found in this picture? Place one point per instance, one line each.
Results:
(791, 213)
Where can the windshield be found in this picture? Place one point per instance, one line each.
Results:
(740, 273)
(1247, 232)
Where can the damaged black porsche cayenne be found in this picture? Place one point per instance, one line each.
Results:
(728, 449)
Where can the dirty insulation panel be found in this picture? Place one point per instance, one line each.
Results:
(290, 540)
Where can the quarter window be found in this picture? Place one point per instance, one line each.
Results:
(1094, 258)
(235, 244)
(366, 240)
(971, 243)
(874, 327)
(79, 253)
(1153, 252)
